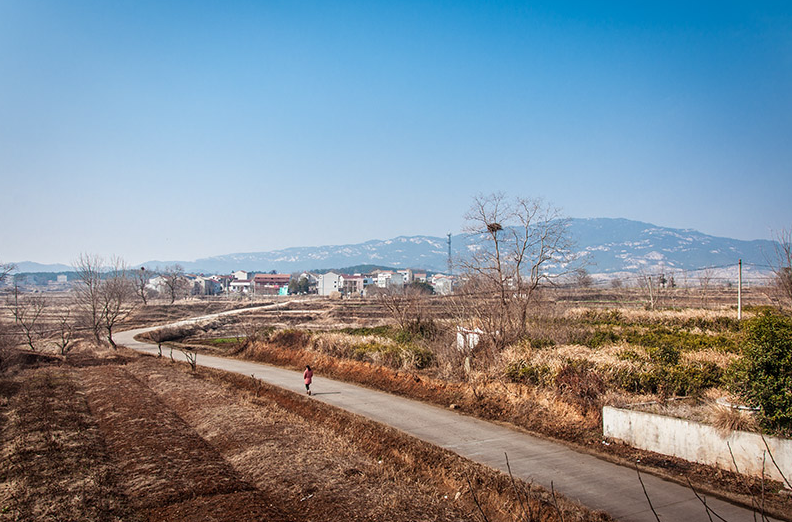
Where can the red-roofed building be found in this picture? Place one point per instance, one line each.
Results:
(270, 284)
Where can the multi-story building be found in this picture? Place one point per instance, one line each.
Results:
(270, 284)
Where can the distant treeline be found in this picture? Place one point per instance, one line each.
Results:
(42, 278)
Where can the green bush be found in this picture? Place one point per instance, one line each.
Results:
(659, 336)
(594, 338)
(540, 343)
(418, 329)
(693, 378)
(629, 355)
(763, 376)
(601, 338)
(646, 376)
(523, 372)
(680, 379)
(717, 324)
(664, 354)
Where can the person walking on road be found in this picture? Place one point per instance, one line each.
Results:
(307, 376)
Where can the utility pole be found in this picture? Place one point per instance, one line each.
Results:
(450, 263)
(739, 290)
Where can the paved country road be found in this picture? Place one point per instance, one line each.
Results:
(590, 481)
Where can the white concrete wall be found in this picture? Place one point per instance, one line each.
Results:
(699, 442)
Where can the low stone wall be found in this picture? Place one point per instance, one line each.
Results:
(698, 442)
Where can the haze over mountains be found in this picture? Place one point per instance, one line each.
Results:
(608, 245)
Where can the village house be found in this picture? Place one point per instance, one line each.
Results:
(328, 284)
(386, 278)
(442, 284)
(352, 285)
(240, 286)
(407, 276)
(270, 284)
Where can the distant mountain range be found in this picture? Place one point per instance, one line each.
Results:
(609, 246)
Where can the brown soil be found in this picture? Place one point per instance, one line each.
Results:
(130, 437)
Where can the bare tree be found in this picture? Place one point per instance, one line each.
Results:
(104, 296)
(782, 265)
(520, 244)
(88, 292)
(27, 311)
(5, 271)
(582, 279)
(116, 298)
(140, 281)
(176, 285)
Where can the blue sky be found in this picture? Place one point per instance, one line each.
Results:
(178, 130)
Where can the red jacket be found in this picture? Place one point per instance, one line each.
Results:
(307, 375)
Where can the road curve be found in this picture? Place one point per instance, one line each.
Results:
(588, 480)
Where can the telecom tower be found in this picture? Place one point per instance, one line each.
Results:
(450, 263)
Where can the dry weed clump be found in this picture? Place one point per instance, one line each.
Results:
(376, 349)
(728, 419)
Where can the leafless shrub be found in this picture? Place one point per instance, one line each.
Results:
(406, 305)
(5, 271)
(295, 339)
(27, 310)
(140, 281)
(175, 283)
(8, 340)
(191, 356)
(250, 332)
(64, 331)
(705, 280)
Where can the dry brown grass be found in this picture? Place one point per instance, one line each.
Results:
(661, 316)
(727, 419)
